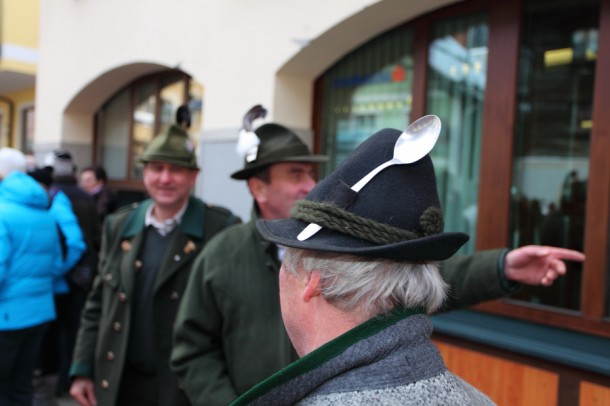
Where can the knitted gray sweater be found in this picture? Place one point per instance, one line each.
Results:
(385, 361)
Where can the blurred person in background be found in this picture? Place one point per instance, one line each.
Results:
(125, 338)
(94, 181)
(80, 277)
(73, 246)
(30, 261)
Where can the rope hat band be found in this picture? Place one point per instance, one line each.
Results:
(397, 215)
(331, 216)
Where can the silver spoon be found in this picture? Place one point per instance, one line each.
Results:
(411, 146)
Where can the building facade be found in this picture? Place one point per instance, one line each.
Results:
(18, 59)
(521, 88)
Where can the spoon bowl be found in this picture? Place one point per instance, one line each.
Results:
(412, 145)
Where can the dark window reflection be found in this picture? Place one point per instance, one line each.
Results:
(551, 162)
(366, 91)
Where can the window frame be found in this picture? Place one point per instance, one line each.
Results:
(128, 182)
(496, 165)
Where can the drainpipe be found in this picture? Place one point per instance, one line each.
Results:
(11, 108)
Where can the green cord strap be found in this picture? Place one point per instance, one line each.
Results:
(334, 218)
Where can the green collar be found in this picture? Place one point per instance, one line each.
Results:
(326, 352)
(191, 224)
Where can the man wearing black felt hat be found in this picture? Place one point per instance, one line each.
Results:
(355, 295)
(229, 331)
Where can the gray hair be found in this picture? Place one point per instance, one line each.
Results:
(371, 285)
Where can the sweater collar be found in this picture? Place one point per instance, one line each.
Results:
(326, 352)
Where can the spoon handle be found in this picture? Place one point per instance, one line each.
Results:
(313, 228)
(308, 231)
(367, 178)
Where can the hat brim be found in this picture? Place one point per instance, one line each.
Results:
(246, 173)
(436, 247)
(169, 160)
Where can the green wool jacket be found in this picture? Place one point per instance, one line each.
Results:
(229, 333)
(101, 347)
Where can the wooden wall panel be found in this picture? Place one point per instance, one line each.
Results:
(594, 395)
(505, 382)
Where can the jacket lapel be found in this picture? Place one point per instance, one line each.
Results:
(186, 244)
(132, 237)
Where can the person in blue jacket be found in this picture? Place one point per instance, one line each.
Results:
(30, 260)
(73, 246)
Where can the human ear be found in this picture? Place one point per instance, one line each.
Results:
(312, 288)
(258, 189)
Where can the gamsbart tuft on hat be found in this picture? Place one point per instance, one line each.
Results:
(11, 160)
(396, 215)
(276, 144)
(172, 147)
(61, 162)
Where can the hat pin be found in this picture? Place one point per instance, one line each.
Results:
(411, 146)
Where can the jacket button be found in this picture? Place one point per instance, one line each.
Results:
(108, 277)
(137, 265)
(176, 257)
(122, 297)
(110, 355)
(104, 384)
(174, 295)
(116, 326)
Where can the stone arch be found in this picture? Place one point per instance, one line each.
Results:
(293, 97)
(79, 114)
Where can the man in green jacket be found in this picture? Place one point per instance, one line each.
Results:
(124, 342)
(229, 333)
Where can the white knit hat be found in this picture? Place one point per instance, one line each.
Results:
(11, 160)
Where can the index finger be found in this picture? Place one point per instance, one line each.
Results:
(565, 253)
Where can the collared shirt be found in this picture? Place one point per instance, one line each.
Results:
(281, 251)
(164, 227)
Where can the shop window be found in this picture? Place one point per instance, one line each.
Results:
(457, 66)
(366, 91)
(27, 128)
(520, 157)
(136, 114)
(553, 132)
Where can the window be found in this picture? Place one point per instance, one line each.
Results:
(136, 114)
(553, 131)
(457, 65)
(27, 128)
(366, 91)
(522, 91)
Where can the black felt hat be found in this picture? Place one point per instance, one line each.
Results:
(397, 215)
(173, 147)
(43, 175)
(276, 144)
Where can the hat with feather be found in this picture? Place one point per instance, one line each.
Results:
(268, 144)
(173, 147)
(368, 207)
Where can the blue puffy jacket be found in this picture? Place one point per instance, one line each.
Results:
(30, 254)
(62, 212)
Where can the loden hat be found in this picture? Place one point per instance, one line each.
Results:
(396, 215)
(276, 143)
(173, 147)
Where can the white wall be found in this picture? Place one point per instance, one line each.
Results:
(243, 52)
